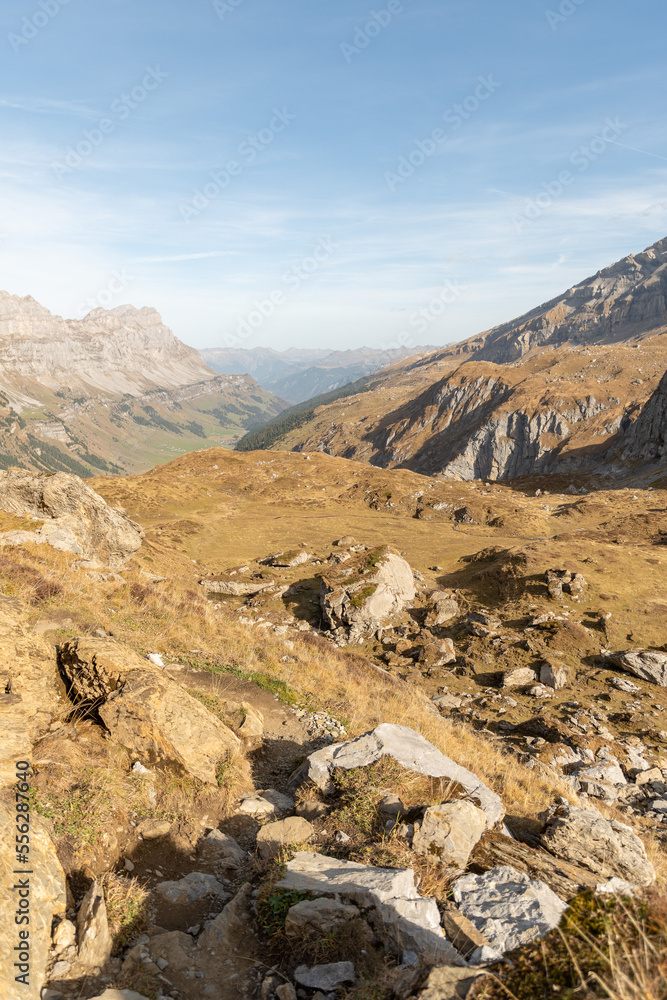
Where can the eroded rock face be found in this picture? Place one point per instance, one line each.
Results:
(388, 895)
(144, 709)
(604, 846)
(508, 907)
(31, 692)
(648, 664)
(365, 594)
(76, 519)
(47, 897)
(410, 750)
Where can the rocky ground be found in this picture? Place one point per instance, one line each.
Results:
(333, 766)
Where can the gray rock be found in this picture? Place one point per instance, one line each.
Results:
(190, 889)
(93, 930)
(509, 908)
(520, 677)
(266, 803)
(410, 750)
(408, 921)
(554, 674)
(604, 846)
(273, 836)
(222, 846)
(75, 518)
(450, 831)
(325, 977)
(648, 664)
(359, 607)
(318, 916)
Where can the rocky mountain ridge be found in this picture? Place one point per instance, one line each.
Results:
(67, 387)
(557, 390)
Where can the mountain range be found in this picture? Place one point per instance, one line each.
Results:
(298, 374)
(115, 391)
(559, 389)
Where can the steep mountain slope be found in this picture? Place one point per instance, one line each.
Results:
(299, 374)
(115, 391)
(553, 391)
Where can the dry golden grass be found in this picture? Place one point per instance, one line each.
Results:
(127, 908)
(175, 619)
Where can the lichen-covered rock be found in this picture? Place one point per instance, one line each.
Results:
(365, 594)
(144, 709)
(76, 519)
(604, 846)
(410, 750)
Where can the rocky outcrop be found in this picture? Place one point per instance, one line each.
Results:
(389, 896)
(75, 518)
(144, 710)
(604, 846)
(366, 593)
(40, 892)
(31, 692)
(410, 750)
(648, 664)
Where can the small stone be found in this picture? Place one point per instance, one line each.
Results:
(154, 829)
(128, 865)
(341, 837)
(325, 977)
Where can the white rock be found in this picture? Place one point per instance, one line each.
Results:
(450, 831)
(410, 750)
(156, 659)
(509, 908)
(325, 977)
(648, 664)
(266, 803)
(409, 921)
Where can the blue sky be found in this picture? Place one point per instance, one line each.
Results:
(311, 173)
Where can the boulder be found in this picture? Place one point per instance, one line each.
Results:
(448, 983)
(190, 889)
(554, 674)
(31, 692)
(604, 846)
(649, 664)
(144, 709)
(443, 608)
(406, 920)
(410, 750)
(325, 977)
(223, 848)
(47, 899)
(438, 654)
(450, 831)
(272, 837)
(520, 677)
(266, 803)
(75, 518)
(317, 917)
(507, 907)
(359, 599)
(93, 931)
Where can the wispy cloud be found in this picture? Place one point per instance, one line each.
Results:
(48, 106)
(184, 256)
